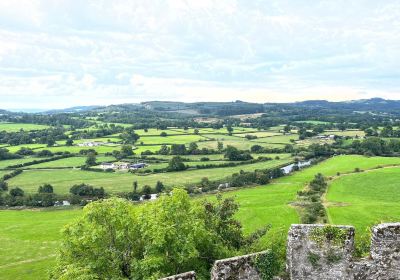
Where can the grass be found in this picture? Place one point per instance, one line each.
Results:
(76, 149)
(281, 139)
(63, 179)
(14, 127)
(176, 139)
(364, 199)
(28, 241)
(270, 204)
(28, 238)
(68, 162)
(13, 149)
(351, 133)
(8, 162)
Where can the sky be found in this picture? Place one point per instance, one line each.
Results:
(57, 54)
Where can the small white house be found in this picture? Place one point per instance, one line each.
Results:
(90, 144)
(107, 165)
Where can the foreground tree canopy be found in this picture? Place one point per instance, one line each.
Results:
(115, 239)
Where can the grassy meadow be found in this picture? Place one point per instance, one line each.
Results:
(14, 127)
(364, 199)
(63, 179)
(28, 239)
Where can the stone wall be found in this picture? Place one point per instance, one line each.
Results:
(183, 276)
(320, 252)
(308, 258)
(237, 268)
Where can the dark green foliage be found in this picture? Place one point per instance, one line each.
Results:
(232, 153)
(90, 159)
(87, 190)
(176, 164)
(267, 265)
(16, 192)
(46, 188)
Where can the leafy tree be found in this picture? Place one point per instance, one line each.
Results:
(50, 142)
(69, 142)
(193, 147)
(164, 150)
(196, 131)
(178, 149)
(126, 151)
(159, 187)
(229, 128)
(176, 164)
(232, 153)
(220, 146)
(129, 136)
(113, 239)
(3, 186)
(163, 134)
(16, 192)
(46, 188)
(146, 191)
(90, 159)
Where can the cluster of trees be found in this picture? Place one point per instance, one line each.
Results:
(17, 197)
(85, 190)
(100, 130)
(313, 210)
(145, 191)
(234, 154)
(181, 149)
(375, 146)
(115, 240)
(45, 136)
(55, 120)
(387, 131)
(258, 177)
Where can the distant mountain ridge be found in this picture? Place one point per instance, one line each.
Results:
(238, 107)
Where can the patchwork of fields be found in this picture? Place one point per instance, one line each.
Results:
(29, 238)
(37, 232)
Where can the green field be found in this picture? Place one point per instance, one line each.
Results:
(28, 241)
(14, 127)
(8, 162)
(63, 179)
(67, 162)
(75, 149)
(13, 149)
(177, 139)
(364, 199)
(28, 238)
(281, 139)
(261, 205)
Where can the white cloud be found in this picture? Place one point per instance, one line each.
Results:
(128, 51)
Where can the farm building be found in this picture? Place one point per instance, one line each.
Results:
(137, 165)
(90, 144)
(107, 165)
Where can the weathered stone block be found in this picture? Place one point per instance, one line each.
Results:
(237, 268)
(191, 275)
(317, 252)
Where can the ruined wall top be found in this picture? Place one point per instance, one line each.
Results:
(321, 252)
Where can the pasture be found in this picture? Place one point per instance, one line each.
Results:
(364, 199)
(63, 179)
(14, 127)
(29, 240)
(67, 162)
(264, 204)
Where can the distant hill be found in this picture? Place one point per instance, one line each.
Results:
(239, 107)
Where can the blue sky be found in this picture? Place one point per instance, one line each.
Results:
(56, 54)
